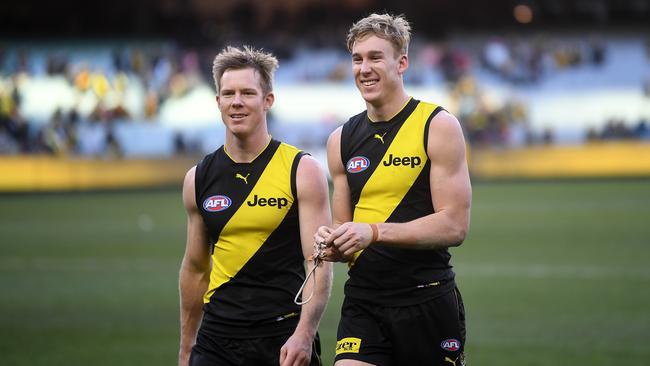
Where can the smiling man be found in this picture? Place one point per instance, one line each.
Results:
(402, 197)
(252, 207)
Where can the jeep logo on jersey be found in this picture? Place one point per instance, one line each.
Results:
(261, 201)
(358, 164)
(411, 161)
(450, 344)
(216, 203)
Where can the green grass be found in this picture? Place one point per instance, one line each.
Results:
(551, 273)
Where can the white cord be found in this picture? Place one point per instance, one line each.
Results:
(318, 258)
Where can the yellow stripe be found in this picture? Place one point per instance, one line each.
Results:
(605, 159)
(44, 173)
(388, 185)
(250, 226)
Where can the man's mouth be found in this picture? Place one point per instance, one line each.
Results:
(370, 82)
(238, 115)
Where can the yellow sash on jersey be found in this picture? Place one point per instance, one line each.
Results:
(388, 185)
(251, 226)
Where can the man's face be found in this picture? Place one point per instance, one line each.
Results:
(377, 69)
(242, 102)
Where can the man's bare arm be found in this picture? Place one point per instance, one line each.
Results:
(194, 272)
(314, 211)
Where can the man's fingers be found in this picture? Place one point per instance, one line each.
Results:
(350, 252)
(322, 234)
(283, 355)
(343, 240)
(333, 255)
(289, 359)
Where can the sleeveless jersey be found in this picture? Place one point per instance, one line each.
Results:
(250, 211)
(387, 169)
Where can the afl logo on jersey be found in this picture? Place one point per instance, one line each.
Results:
(216, 203)
(357, 164)
(450, 344)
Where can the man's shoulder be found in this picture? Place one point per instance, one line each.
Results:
(423, 103)
(288, 147)
(207, 159)
(353, 123)
(433, 109)
(357, 118)
(213, 154)
(290, 152)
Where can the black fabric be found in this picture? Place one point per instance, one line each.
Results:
(430, 333)
(265, 351)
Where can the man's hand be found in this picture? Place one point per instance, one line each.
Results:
(330, 253)
(296, 351)
(322, 234)
(350, 238)
(184, 358)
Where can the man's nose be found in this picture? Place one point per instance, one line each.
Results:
(365, 67)
(237, 100)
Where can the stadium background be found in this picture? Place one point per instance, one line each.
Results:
(104, 106)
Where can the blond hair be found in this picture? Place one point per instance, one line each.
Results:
(393, 28)
(233, 58)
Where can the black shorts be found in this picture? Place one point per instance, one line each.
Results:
(430, 333)
(221, 351)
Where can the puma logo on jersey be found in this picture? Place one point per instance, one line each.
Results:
(380, 137)
(411, 161)
(460, 358)
(245, 179)
(453, 362)
(273, 202)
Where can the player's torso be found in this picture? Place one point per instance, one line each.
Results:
(251, 216)
(387, 170)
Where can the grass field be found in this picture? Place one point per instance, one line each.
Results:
(551, 273)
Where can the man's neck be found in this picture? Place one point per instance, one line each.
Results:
(246, 149)
(386, 111)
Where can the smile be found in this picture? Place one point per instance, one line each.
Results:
(369, 82)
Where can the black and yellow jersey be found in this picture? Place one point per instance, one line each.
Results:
(387, 169)
(250, 211)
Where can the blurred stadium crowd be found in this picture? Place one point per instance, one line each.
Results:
(112, 98)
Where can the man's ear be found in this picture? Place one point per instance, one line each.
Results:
(268, 100)
(403, 64)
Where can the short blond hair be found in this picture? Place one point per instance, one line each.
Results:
(393, 28)
(233, 58)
